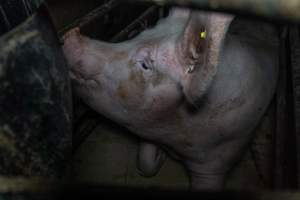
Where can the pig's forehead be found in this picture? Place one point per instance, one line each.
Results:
(152, 37)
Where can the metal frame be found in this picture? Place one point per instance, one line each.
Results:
(280, 9)
(287, 134)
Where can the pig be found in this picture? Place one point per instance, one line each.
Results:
(195, 86)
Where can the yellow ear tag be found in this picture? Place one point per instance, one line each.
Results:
(203, 34)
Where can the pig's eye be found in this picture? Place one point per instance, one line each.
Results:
(145, 65)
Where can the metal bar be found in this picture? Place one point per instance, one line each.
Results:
(29, 185)
(5, 19)
(281, 9)
(279, 144)
(98, 12)
(285, 139)
(135, 25)
(88, 121)
(295, 64)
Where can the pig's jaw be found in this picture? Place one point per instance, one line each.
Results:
(103, 100)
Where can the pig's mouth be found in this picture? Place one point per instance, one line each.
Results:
(81, 78)
(77, 76)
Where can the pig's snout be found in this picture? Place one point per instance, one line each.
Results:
(74, 51)
(73, 46)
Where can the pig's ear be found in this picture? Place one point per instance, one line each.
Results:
(198, 49)
(194, 39)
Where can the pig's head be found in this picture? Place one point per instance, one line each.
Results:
(149, 76)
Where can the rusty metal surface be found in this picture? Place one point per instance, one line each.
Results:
(282, 9)
(35, 103)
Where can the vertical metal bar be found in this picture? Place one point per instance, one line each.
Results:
(295, 64)
(281, 117)
(6, 21)
(26, 7)
(285, 145)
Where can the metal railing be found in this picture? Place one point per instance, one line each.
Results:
(274, 9)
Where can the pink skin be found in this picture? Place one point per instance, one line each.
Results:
(204, 117)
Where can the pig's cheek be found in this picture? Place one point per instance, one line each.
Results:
(164, 97)
(129, 95)
(157, 105)
(160, 104)
(130, 89)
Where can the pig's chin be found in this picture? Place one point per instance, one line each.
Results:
(76, 76)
